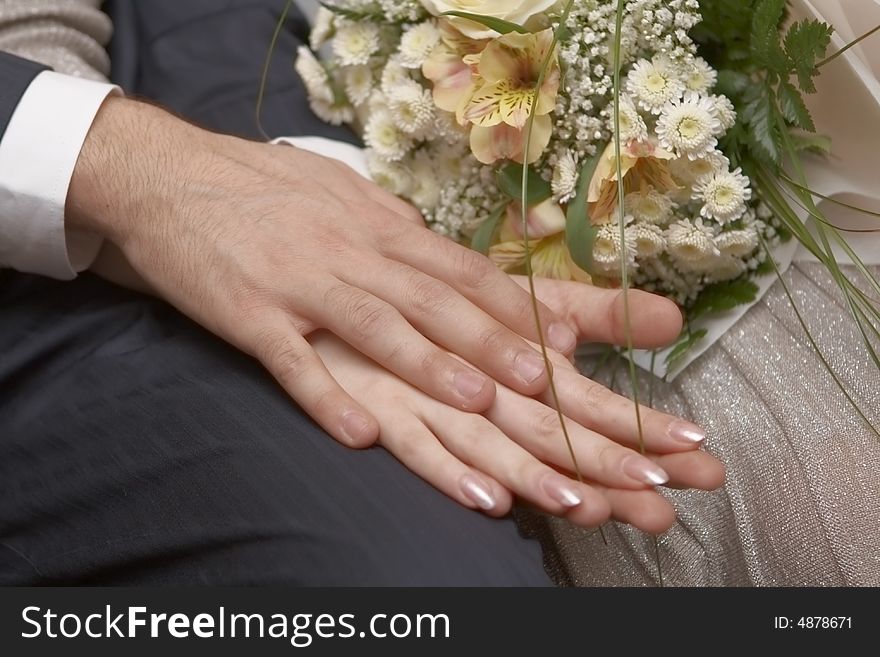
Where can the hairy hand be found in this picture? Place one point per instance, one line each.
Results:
(265, 244)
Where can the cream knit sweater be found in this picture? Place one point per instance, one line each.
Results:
(68, 35)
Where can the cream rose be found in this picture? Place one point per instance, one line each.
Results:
(515, 11)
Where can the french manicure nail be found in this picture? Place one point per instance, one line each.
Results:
(562, 490)
(645, 471)
(529, 366)
(468, 384)
(477, 492)
(685, 432)
(561, 337)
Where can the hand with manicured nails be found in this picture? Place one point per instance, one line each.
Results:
(518, 449)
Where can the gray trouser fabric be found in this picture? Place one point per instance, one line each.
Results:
(135, 448)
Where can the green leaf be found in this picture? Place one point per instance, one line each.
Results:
(765, 268)
(509, 179)
(350, 14)
(803, 141)
(687, 342)
(497, 24)
(723, 296)
(764, 137)
(580, 233)
(482, 239)
(793, 107)
(805, 45)
(766, 47)
(732, 83)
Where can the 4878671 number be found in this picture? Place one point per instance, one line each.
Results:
(813, 623)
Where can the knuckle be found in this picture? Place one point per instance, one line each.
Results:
(477, 433)
(363, 314)
(605, 457)
(493, 340)
(521, 305)
(332, 243)
(286, 363)
(409, 449)
(324, 404)
(428, 296)
(593, 398)
(474, 270)
(547, 424)
(433, 361)
(369, 318)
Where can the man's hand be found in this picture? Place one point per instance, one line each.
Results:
(265, 244)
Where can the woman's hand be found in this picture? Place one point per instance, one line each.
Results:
(518, 449)
(264, 244)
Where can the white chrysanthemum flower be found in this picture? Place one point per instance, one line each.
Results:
(691, 245)
(648, 238)
(334, 113)
(689, 128)
(355, 43)
(391, 176)
(412, 107)
(632, 125)
(649, 206)
(565, 178)
(654, 84)
(323, 28)
(724, 195)
(425, 193)
(737, 243)
(700, 77)
(385, 138)
(314, 76)
(725, 268)
(417, 43)
(725, 111)
(687, 172)
(358, 84)
(607, 251)
(394, 75)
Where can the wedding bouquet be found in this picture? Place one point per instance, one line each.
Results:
(648, 140)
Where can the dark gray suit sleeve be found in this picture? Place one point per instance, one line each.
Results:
(16, 75)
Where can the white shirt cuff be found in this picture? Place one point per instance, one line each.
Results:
(38, 153)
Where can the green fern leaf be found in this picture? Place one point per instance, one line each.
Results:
(805, 46)
(793, 107)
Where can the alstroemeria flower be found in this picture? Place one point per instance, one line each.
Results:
(550, 258)
(644, 165)
(514, 11)
(499, 108)
(451, 69)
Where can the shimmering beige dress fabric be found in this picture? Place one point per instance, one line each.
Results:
(68, 35)
(802, 500)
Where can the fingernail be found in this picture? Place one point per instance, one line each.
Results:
(641, 469)
(561, 337)
(468, 384)
(529, 366)
(562, 490)
(477, 492)
(685, 432)
(355, 426)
